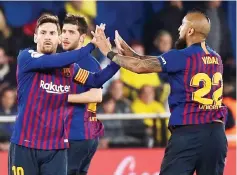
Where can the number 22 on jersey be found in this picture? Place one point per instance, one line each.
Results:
(208, 83)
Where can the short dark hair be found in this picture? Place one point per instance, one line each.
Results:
(48, 18)
(80, 21)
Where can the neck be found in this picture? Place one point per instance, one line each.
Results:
(195, 40)
(79, 46)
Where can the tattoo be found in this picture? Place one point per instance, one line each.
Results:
(128, 51)
(148, 64)
(134, 54)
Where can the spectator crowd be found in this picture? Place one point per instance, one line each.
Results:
(126, 92)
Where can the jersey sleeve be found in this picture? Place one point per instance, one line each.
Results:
(30, 60)
(95, 66)
(172, 61)
(94, 79)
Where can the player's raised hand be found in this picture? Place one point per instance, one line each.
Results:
(122, 47)
(118, 43)
(100, 39)
(102, 26)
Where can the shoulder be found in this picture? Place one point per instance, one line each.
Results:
(171, 56)
(23, 55)
(213, 51)
(175, 53)
(187, 51)
(28, 53)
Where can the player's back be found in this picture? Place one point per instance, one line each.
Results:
(196, 95)
(42, 97)
(82, 122)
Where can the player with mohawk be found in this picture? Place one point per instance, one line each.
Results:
(198, 141)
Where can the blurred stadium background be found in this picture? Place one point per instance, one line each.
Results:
(134, 108)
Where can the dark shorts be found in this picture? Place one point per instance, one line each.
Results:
(80, 154)
(200, 148)
(29, 161)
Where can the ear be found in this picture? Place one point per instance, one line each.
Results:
(190, 31)
(35, 39)
(82, 38)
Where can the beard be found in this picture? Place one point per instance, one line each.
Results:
(47, 49)
(180, 44)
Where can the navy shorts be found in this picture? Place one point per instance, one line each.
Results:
(201, 148)
(29, 161)
(80, 154)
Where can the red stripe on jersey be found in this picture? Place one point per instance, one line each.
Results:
(66, 110)
(24, 129)
(48, 117)
(90, 123)
(186, 74)
(32, 117)
(220, 69)
(86, 123)
(214, 88)
(200, 111)
(53, 115)
(42, 129)
(217, 113)
(199, 115)
(70, 109)
(36, 119)
(210, 72)
(196, 112)
(62, 116)
(69, 82)
(194, 67)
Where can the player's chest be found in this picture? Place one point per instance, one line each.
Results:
(56, 82)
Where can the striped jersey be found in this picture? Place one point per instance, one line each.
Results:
(195, 77)
(81, 121)
(42, 91)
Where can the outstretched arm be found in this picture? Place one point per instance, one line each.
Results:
(91, 96)
(131, 61)
(94, 80)
(30, 60)
(139, 64)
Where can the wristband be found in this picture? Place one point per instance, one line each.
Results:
(111, 55)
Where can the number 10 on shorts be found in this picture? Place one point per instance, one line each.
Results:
(17, 170)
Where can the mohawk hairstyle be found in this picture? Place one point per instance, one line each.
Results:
(201, 11)
(48, 18)
(77, 20)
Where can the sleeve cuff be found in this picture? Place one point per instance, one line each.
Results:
(163, 63)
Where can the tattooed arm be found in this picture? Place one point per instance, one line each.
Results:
(131, 61)
(139, 64)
